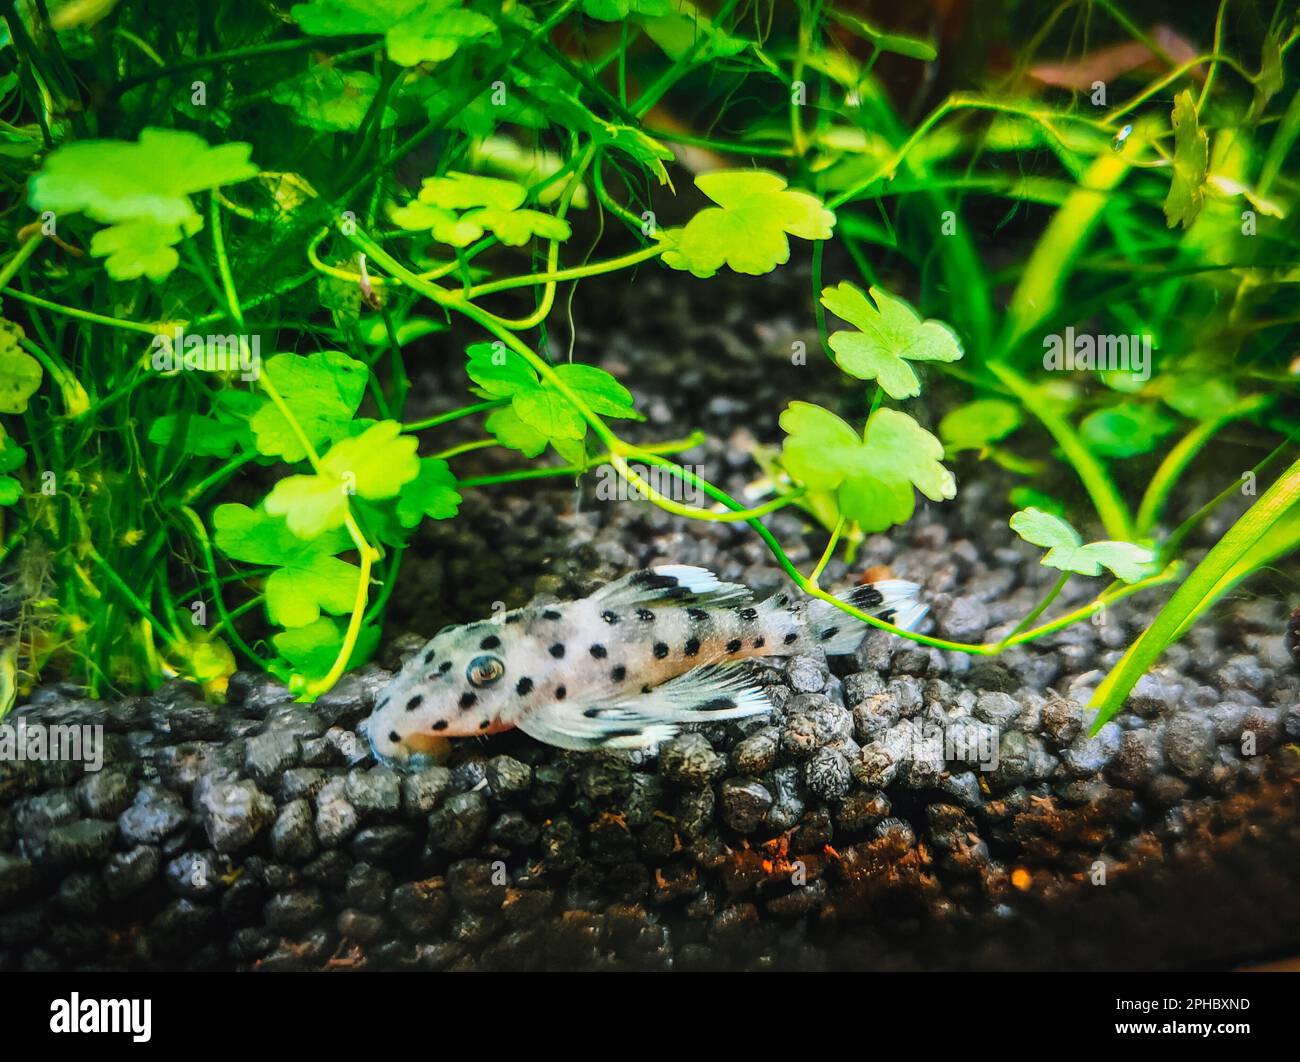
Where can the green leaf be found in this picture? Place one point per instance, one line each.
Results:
(977, 425)
(375, 334)
(330, 99)
(1197, 397)
(1124, 430)
(1270, 79)
(20, 373)
(498, 370)
(312, 650)
(141, 190)
(912, 47)
(431, 493)
(322, 391)
(373, 465)
(617, 10)
(205, 436)
(1191, 164)
(649, 152)
(688, 32)
(747, 230)
(12, 457)
(539, 412)
(308, 578)
(890, 334)
(506, 427)
(875, 476)
(1065, 550)
(414, 31)
(462, 191)
(515, 228)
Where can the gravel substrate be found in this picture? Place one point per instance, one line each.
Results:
(903, 808)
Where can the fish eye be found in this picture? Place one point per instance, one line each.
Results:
(484, 670)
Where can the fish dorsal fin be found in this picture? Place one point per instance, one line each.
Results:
(609, 720)
(668, 584)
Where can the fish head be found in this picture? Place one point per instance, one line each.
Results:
(455, 686)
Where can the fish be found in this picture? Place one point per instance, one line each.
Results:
(627, 667)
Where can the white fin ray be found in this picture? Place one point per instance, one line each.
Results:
(672, 584)
(839, 633)
(621, 721)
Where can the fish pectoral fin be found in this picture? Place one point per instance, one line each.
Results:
(706, 695)
(672, 584)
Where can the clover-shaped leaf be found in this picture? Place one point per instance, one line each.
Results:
(141, 190)
(330, 99)
(414, 31)
(321, 390)
(539, 412)
(311, 650)
(874, 477)
(1066, 552)
(372, 465)
(890, 334)
(488, 204)
(748, 228)
(431, 493)
(20, 373)
(1191, 164)
(977, 425)
(308, 577)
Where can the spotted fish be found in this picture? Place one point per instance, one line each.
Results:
(626, 667)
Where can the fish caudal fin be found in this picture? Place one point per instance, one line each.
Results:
(893, 600)
(706, 695)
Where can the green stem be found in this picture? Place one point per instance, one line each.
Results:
(455, 414)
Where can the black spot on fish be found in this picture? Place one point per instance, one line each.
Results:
(698, 615)
(490, 642)
(428, 657)
(759, 643)
(598, 651)
(789, 638)
(781, 600)
(646, 688)
(485, 724)
(829, 633)
(866, 597)
(524, 687)
(441, 724)
(394, 737)
(691, 647)
(887, 616)
(660, 650)
(592, 713)
(557, 650)
(444, 667)
(716, 704)
(733, 646)
(749, 613)
(514, 617)
(560, 693)
(467, 701)
(415, 702)
(645, 615)
(627, 732)
(619, 673)
(653, 580)
(609, 617)
(550, 614)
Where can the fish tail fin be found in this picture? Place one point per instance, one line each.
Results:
(892, 600)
